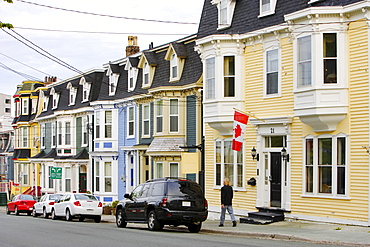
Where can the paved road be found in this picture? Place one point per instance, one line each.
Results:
(26, 231)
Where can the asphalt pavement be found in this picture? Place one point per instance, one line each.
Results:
(289, 230)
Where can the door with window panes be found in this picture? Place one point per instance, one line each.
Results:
(274, 171)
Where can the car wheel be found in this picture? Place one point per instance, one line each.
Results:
(16, 210)
(53, 216)
(97, 219)
(195, 227)
(120, 219)
(34, 214)
(81, 219)
(7, 210)
(153, 223)
(45, 214)
(68, 215)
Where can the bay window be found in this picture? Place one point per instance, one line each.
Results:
(229, 76)
(210, 79)
(304, 61)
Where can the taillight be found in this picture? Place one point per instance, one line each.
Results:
(205, 204)
(77, 203)
(163, 202)
(100, 205)
(51, 203)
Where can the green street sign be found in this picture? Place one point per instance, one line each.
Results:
(55, 172)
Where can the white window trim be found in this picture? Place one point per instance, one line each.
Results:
(85, 133)
(144, 120)
(25, 106)
(132, 73)
(230, 13)
(159, 116)
(177, 114)
(130, 120)
(53, 135)
(72, 94)
(315, 192)
(42, 135)
(271, 11)
(146, 71)
(85, 88)
(235, 167)
(278, 94)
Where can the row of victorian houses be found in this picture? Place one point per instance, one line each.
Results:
(300, 69)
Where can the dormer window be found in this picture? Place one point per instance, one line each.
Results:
(113, 73)
(225, 12)
(55, 98)
(132, 72)
(173, 66)
(146, 74)
(72, 94)
(176, 54)
(45, 105)
(85, 89)
(148, 63)
(267, 7)
(25, 106)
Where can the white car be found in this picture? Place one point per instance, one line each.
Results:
(77, 205)
(44, 206)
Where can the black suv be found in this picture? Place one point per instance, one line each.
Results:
(164, 201)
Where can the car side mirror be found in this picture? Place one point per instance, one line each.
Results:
(128, 196)
(57, 201)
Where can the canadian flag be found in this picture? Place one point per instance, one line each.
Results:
(240, 122)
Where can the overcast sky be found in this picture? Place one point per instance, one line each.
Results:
(84, 51)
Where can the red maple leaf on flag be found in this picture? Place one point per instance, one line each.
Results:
(237, 131)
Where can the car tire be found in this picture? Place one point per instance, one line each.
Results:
(153, 223)
(7, 210)
(97, 219)
(81, 219)
(16, 210)
(53, 216)
(120, 218)
(45, 214)
(34, 214)
(68, 215)
(195, 228)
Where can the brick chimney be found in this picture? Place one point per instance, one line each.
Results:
(132, 46)
(49, 80)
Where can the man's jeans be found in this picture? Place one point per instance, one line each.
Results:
(229, 210)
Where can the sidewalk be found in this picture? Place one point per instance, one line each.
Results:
(290, 230)
(303, 231)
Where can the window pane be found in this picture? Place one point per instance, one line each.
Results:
(174, 169)
(309, 179)
(341, 180)
(108, 184)
(330, 71)
(229, 173)
(228, 152)
(330, 44)
(159, 170)
(304, 61)
(210, 78)
(108, 169)
(240, 175)
(272, 83)
(229, 76)
(325, 179)
(159, 124)
(218, 174)
(325, 151)
(218, 152)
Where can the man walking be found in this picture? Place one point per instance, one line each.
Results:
(226, 202)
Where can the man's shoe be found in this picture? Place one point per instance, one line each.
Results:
(234, 223)
(221, 225)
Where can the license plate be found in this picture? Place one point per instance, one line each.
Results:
(186, 204)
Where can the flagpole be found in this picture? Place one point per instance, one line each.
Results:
(249, 114)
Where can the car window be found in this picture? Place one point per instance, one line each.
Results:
(157, 189)
(182, 188)
(85, 197)
(67, 198)
(43, 198)
(145, 190)
(54, 197)
(137, 191)
(15, 198)
(27, 197)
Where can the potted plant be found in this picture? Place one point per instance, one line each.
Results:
(107, 209)
(114, 206)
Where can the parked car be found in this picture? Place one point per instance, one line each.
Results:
(165, 201)
(21, 204)
(77, 205)
(44, 206)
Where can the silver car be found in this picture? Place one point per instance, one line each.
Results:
(44, 206)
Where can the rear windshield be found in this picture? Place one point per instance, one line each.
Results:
(85, 197)
(184, 188)
(55, 197)
(27, 197)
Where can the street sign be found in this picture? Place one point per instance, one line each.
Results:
(55, 172)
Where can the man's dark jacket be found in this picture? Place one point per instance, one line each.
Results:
(226, 195)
